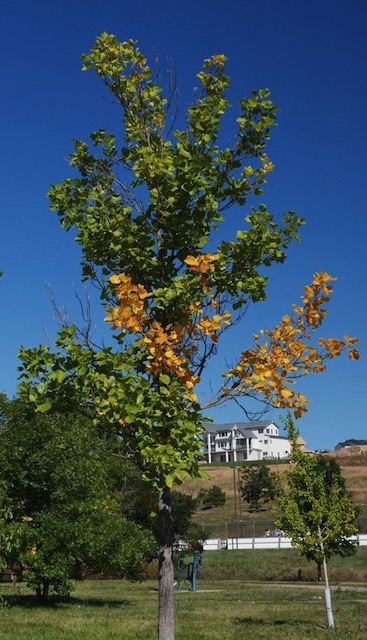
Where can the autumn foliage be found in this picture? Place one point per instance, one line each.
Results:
(269, 369)
(168, 346)
(283, 354)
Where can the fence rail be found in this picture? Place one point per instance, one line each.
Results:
(265, 542)
(254, 528)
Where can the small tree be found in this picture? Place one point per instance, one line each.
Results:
(212, 497)
(145, 207)
(315, 511)
(257, 485)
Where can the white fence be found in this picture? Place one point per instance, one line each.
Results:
(265, 542)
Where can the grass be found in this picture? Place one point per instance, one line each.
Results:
(284, 565)
(221, 611)
(230, 604)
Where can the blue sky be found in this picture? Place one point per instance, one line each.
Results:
(312, 55)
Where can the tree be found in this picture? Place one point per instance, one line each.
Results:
(315, 509)
(183, 509)
(257, 485)
(212, 497)
(145, 207)
(139, 501)
(58, 517)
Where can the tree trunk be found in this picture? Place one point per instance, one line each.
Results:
(166, 621)
(43, 592)
(328, 605)
(319, 571)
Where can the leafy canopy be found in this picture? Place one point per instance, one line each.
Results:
(146, 206)
(59, 515)
(315, 510)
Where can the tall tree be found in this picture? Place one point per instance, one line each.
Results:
(146, 206)
(315, 510)
(59, 516)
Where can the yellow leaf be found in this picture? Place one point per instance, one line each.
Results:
(351, 340)
(192, 261)
(219, 58)
(286, 393)
(116, 279)
(189, 384)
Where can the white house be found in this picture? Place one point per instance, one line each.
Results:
(244, 441)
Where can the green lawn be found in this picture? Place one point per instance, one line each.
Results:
(223, 609)
(281, 565)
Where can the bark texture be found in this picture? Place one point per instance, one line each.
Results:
(166, 622)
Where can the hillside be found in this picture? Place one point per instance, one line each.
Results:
(220, 521)
(353, 465)
(352, 462)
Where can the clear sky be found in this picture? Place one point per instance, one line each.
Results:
(312, 55)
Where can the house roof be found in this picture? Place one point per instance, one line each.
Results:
(240, 426)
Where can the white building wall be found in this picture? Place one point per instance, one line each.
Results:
(251, 444)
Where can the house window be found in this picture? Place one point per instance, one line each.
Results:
(261, 430)
(265, 442)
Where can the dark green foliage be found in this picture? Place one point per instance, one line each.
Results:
(60, 519)
(257, 485)
(183, 508)
(213, 497)
(139, 501)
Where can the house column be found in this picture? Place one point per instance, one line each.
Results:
(209, 449)
(248, 448)
(234, 452)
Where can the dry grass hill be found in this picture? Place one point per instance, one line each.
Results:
(353, 464)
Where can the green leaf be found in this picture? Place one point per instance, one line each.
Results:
(45, 406)
(60, 375)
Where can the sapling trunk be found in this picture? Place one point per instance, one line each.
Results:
(329, 609)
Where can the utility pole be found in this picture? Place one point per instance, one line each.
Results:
(234, 430)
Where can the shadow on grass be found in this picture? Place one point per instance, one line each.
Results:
(31, 601)
(260, 622)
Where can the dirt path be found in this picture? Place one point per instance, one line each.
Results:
(302, 585)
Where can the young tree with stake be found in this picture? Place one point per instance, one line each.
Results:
(315, 511)
(146, 206)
